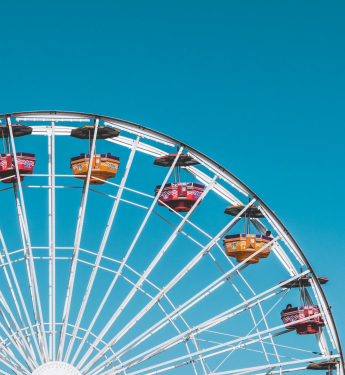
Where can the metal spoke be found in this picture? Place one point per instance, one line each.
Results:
(169, 326)
(228, 314)
(123, 263)
(21, 344)
(15, 299)
(31, 266)
(19, 292)
(77, 240)
(51, 224)
(101, 249)
(145, 275)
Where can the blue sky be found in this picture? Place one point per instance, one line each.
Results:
(256, 85)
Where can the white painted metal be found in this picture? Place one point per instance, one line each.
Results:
(142, 278)
(101, 249)
(106, 355)
(209, 323)
(31, 266)
(77, 240)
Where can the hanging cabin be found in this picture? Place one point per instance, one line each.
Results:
(25, 160)
(324, 365)
(242, 245)
(305, 315)
(178, 196)
(103, 166)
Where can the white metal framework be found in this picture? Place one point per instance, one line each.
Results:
(101, 280)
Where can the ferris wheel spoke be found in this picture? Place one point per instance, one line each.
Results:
(9, 363)
(247, 349)
(125, 188)
(50, 264)
(79, 230)
(275, 365)
(220, 190)
(9, 283)
(221, 269)
(277, 249)
(102, 247)
(202, 352)
(142, 290)
(169, 328)
(203, 293)
(147, 208)
(279, 345)
(89, 343)
(247, 370)
(30, 276)
(187, 305)
(255, 327)
(282, 371)
(321, 340)
(138, 274)
(184, 321)
(318, 293)
(82, 361)
(16, 371)
(17, 343)
(145, 275)
(9, 355)
(276, 244)
(175, 326)
(252, 291)
(19, 293)
(288, 265)
(170, 320)
(51, 230)
(241, 296)
(30, 264)
(181, 231)
(228, 314)
(21, 344)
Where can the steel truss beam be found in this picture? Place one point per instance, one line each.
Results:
(102, 247)
(228, 178)
(124, 303)
(26, 238)
(245, 305)
(77, 240)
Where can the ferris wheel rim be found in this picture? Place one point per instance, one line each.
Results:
(148, 131)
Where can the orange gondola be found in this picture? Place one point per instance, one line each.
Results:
(324, 365)
(103, 166)
(242, 245)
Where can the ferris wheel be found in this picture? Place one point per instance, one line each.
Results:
(125, 251)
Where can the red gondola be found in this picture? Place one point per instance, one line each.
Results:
(308, 324)
(305, 319)
(25, 161)
(178, 196)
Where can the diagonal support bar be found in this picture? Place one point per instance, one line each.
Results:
(174, 281)
(29, 248)
(100, 251)
(77, 240)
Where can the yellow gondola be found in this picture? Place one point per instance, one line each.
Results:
(104, 166)
(241, 246)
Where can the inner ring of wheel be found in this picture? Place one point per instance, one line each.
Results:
(208, 162)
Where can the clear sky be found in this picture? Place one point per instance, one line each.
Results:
(256, 85)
